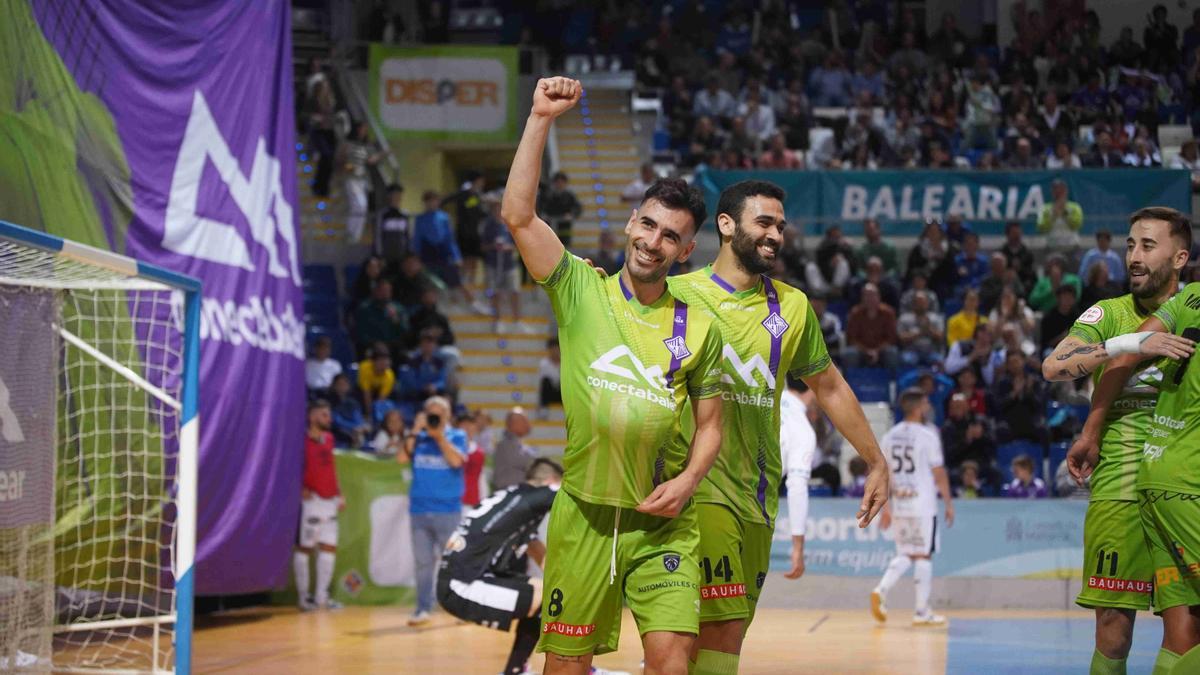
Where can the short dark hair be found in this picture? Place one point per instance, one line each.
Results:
(1181, 225)
(733, 198)
(560, 175)
(1065, 288)
(543, 468)
(1024, 461)
(677, 195)
(317, 404)
(395, 187)
(911, 398)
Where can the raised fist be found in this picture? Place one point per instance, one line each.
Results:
(554, 96)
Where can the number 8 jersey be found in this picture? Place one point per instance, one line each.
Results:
(913, 451)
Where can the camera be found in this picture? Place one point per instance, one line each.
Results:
(433, 421)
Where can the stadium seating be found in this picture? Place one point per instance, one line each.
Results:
(871, 385)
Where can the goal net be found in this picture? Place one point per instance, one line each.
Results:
(98, 434)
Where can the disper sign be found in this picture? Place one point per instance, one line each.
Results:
(445, 93)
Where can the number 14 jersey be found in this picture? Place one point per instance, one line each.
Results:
(913, 451)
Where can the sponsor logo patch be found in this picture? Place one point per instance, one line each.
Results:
(671, 562)
(721, 591)
(568, 629)
(1120, 585)
(677, 347)
(775, 324)
(1092, 315)
(760, 579)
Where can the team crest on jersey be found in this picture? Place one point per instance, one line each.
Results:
(677, 347)
(671, 561)
(775, 325)
(1093, 315)
(760, 579)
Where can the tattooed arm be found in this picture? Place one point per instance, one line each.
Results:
(1074, 358)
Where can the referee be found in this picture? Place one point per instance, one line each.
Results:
(483, 576)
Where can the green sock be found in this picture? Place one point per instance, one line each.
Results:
(709, 662)
(1188, 663)
(1102, 665)
(1165, 662)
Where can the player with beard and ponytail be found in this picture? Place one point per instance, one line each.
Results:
(1117, 565)
(769, 331)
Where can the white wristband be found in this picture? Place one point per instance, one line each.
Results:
(1130, 343)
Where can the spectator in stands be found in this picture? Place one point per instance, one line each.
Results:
(740, 145)
(437, 248)
(831, 325)
(931, 256)
(412, 282)
(950, 45)
(427, 319)
(909, 56)
(829, 83)
(1063, 157)
(1141, 157)
(1042, 297)
(966, 435)
(980, 353)
(706, 139)
(795, 119)
(921, 334)
(778, 156)
(358, 154)
(970, 266)
(320, 368)
(1061, 219)
(871, 333)
(858, 478)
(470, 213)
(759, 119)
(426, 373)
(1017, 401)
(1024, 484)
(512, 456)
(970, 485)
(832, 269)
(999, 276)
(963, 323)
(869, 81)
(376, 379)
(322, 114)
(1103, 155)
(919, 286)
(438, 452)
(1189, 156)
(1055, 123)
(873, 273)
(1103, 252)
(380, 319)
(1018, 255)
(372, 271)
(983, 114)
(393, 229)
(607, 257)
(1023, 157)
(956, 230)
(967, 384)
(389, 440)
(560, 207)
(349, 426)
(1011, 312)
(903, 134)
(713, 101)
(473, 488)
(1161, 40)
(637, 187)
(1099, 286)
(500, 267)
(876, 246)
(1191, 39)
(1057, 322)
(549, 378)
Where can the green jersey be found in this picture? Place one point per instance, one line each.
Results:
(627, 370)
(768, 330)
(1125, 426)
(1171, 458)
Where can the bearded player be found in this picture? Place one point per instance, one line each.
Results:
(1117, 565)
(623, 527)
(770, 331)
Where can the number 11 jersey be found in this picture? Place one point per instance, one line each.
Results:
(913, 451)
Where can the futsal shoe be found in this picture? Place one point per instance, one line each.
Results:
(878, 606)
(332, 604)
(928, 618)
(420, 619)
(307, 604)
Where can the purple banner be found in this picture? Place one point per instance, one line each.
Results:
(175, 122)
(28, 364)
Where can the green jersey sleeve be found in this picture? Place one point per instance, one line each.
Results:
(704, 381)
(1170, 311)
(812, 356)
(1097, 324)
(571, 281)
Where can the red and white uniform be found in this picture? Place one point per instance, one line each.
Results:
(318, 513)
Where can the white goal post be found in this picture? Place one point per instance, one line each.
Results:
(99, 435)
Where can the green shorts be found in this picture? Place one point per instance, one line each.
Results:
(734, 557)
(1171, 521)
(1117, 569)
(654, 568)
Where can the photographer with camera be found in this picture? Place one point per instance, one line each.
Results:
(438, 452)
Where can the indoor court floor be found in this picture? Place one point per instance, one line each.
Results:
(262, 641)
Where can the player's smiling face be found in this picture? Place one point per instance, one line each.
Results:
(757, 237)
(1151, 258)
(658, 238)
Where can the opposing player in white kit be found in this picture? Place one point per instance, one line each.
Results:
(914, 452)
(798, 445)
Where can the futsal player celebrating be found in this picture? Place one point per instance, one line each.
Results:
(770, 331)
(318, 511)
(918, 477)
(623, 526)
(1117, 566)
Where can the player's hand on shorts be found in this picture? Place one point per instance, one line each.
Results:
(554, 96)
(797, 570)
(1082, 458)
(669, 498)
(875, 494)
(1167, 344)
